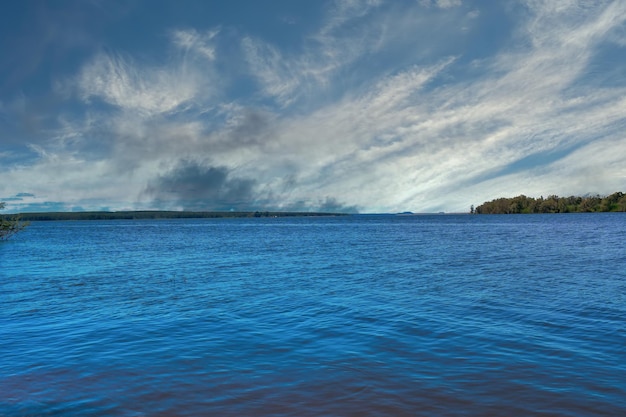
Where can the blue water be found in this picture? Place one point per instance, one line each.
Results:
(350, 316)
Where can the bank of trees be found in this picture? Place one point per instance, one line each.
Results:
(554, 204)
(9, 225)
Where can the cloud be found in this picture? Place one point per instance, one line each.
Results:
(347, 34)
(124, 84)
(199, 186)
(443, 4)
(332, 205)
(278, 79)
(195, 42)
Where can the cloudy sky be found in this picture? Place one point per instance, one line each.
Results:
(347, 105)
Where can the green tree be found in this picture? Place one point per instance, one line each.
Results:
(554, 204)
(611, 202)
(590, 204)
(10, 226)
(621, 204)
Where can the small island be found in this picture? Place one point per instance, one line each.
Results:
(522, 204)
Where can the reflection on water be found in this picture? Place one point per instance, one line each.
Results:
(360, 315)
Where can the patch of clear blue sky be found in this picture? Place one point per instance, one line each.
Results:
(538, 161)
(606, 69)
(41, 39)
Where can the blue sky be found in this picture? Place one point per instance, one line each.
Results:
(369, 106)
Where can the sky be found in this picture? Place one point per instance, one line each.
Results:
(370, 106)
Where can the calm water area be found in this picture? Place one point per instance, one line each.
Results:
(364, 315)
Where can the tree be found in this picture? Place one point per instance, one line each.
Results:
(554, 204)
(10, 226)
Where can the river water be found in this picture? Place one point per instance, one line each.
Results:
(364, 315)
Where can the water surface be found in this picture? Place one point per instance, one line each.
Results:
(358, 315)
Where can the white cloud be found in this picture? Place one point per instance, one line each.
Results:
(334, 47)
(443, 138)
(443, 4)
(274, 72)
(133, 87)
(343, 11)
(193, 41)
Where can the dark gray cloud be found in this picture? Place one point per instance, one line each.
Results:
(332, 205)
(327, 205)
(245, 127)
(251, 128)
(17, 197)
(199, 186)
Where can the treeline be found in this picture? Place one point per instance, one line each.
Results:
(554, 204)
(10, 225)
(148, 215)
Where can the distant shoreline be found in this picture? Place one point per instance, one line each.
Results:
(153, 215)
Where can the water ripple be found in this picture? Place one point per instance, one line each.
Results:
(363, 315)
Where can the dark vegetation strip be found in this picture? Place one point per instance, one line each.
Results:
(10, 225)
(141, 215)
(554, 204)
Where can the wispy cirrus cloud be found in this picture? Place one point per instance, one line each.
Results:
(444, 4)
(323, 53)
(279, 78)
(193, 41)
(154, 88)
(122, 83)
